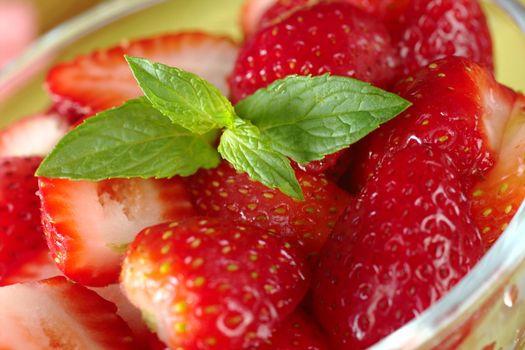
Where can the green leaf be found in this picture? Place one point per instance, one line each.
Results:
(306, 118)
(183, 97)
(133, 140)
(246, 149)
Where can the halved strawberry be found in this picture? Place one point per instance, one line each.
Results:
(498, 196)
(457, 106)
(210, 283)
(88, 225)
(37, 267)
(21, 234)
(224, 192)
(57, 314)
(102, 79)
(32, 136)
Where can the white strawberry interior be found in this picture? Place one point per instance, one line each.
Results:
(209, 58)
(109, 214)
(33, 317)
(512, 150)
(497, 103)
(33, 136)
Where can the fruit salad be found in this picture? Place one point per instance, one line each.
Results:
(317, 185)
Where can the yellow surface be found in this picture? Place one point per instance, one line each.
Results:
(222, 17)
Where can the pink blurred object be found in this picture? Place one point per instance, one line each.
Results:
(18, 28)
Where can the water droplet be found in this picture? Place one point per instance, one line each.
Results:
(510, 296)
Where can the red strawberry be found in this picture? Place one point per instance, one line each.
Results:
(497, 197)
(208, 283)
(57, 314)
(88, 225)
(32, 136)
(457, 106)
(103, 79)
(38, 267)
(328, 37)
(258, 14)
(434, 29)
(21, 235)
(297, 332)
(223, 192)
(404, 242)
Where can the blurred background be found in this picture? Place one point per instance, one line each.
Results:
(22, 21)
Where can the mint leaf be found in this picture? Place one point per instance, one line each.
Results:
(306, 118)
(183, 97)
(245, 148)
(133, 140)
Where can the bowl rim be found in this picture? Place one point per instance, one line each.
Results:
(489, 275)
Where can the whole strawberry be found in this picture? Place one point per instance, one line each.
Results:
(258, 14)
(404, 242)
(456, 105)
(21, 234)
(223, 192)
(432, 29)
(206, 283)
(334, 38)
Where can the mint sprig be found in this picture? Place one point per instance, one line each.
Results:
(245, 148)
(318, 115)
(134, 140)
(185, 98)
(171, 131)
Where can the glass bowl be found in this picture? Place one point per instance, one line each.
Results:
(485, 311)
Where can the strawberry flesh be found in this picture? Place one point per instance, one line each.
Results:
(58, 314)
(88, 225)
(497, 197)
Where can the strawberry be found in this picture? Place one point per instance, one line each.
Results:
(37, 267)
(102, 79)
(328, 37)
(207, 283)
(258, 14)
(406, 239)
(129, 313)
(432, 29)
(57, 314)
(88, 225)
(297, 332)
(21, 235)
(498, 196)
(223, 192)
(43, 131)
(457, 106)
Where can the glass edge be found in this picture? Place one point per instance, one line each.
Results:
(435, 319)
(57, 38)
